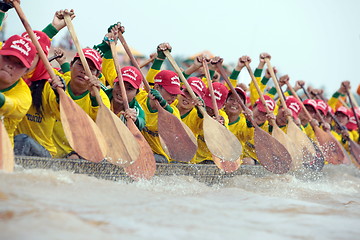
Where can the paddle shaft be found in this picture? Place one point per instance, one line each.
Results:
(86, 67)
(147, 62)
(211, 89)
(118, 71)
(262, 99)
(34, 40)
(133, 60)
(233, 91)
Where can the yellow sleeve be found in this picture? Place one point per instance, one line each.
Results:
(108, 71)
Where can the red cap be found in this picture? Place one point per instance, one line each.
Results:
(240, 91)
(311, 102)
(294, 105)
(131, 75)
(322, 106)
(197, 85)
(344, 110)
(270, 103)
(21, 48)
(220, 93)
(43, 39)
(169, 81)
(93, 55)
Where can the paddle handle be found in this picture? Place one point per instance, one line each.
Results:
(222, 72)
(211, 89)
(118, 71)
(86, 67)
(133, 60)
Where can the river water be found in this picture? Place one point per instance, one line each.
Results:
(43, 204)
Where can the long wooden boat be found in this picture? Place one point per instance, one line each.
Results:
(207, 173)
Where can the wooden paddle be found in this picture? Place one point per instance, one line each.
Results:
(219, 140)
(123, 149)
(144, 167)
(319, 159)
(178, 143)
(353, 109)
(302, 143)
(147, 62)
(330, 147)
(82, 133)
(223, 164)
(7, 161)
(277, 133)
(271, 153)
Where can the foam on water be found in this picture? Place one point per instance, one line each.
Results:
(43, 204)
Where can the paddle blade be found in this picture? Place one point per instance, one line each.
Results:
(271, 153)
(227, 166)
(355, 151)
(81, 132)
(123, 149)
(175, 138)
(145, 166)
(330, 147)
(6, 150)
(220, 141)
(302, 143)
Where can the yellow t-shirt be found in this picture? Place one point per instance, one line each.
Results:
(40, 126)
(15, 101)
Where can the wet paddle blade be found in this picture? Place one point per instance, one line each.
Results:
(330, 148)
(220, 141)
(82, 133)
(6, 150)
(271, 153)
(123, 149)
(178, 143)
(145, 166)
(227, 166)
(303, 144)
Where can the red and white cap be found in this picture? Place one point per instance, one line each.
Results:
(92, 55)
(169, 80)
(344, 110)
(310, 102)
(294, 105)
(270, 103)
(322, 106)
(43, 39)
(131, 75)
(197, 85)
(241, 92)
(21, 48)
(220, 94)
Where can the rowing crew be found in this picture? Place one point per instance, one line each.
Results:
(29, 101)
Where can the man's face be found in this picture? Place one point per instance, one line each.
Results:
(170, 98)
(232, 105)
(11, 70)
(259, 117)
(78, 72)
(130, 92)
(342, 118)
(185, 101)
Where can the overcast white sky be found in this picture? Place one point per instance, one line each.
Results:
(317, 41)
